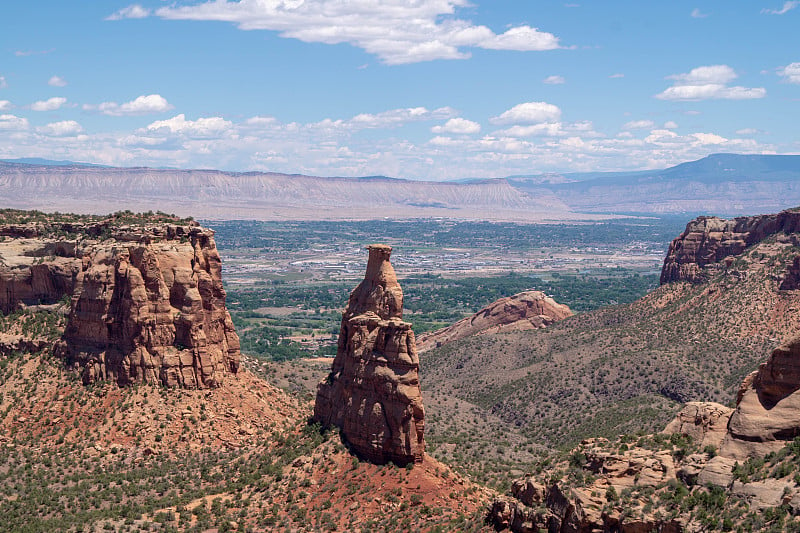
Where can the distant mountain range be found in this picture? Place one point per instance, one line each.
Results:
(723, 184)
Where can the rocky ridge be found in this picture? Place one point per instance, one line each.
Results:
(146, 300)
(712, 467)
(711, 243)
(523, 311)
(372, 392)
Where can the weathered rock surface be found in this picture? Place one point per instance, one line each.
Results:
(372, 392)
(707, 242)
(147, 302)
(768, 406)
(705, 422)
(526, 310)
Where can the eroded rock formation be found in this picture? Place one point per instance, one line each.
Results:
(147, 302)
(526, 310)
(767, 411)
(372, 392)
(707, 242)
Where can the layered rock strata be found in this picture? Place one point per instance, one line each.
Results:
(708, 241)
(372, 392)
(522, 311)
(146, 302)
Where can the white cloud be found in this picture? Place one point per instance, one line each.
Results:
(61, 129)
(638, 125)
(617, 76)
(3, 83)
(709, 138)
(51, 104)
(202, 127)
(134, 11)
(697, 14)
(57, 81)
(787, 6)
(670, 125)
(548, 129)
(5, 105)
(747, 131)
(554, 80)
(529, 113)
(708, 82)
(386, 119)
(397, 31)
(790, 73)
(458, 126)
(12, 122)
(142, 105)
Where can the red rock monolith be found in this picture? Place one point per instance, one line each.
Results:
(372, 392)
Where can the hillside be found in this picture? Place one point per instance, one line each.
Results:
(125, 404)
(724, 184)
(627, 368)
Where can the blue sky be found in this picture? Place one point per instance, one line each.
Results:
(420, 89)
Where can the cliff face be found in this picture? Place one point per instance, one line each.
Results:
(372, 392)
(767, 411)
(708, 241)
(147, 303)
(526, 310)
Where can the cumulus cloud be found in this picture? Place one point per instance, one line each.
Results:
(697, 14)
(397, 31)
(549, 129)
(202, 127)
(57, 81)
(790, 73)
(386, 119)
(458, 126)
(747, 131)
(5, 105)
(787, 6)
(670, 125)
(708, 82)
(529, 113)
(617, 76)
(142, 105)
(51, 104)
(134, 11)
(3, 83)
(13, 122)
(61, 129)
(554, 80)
(638, 125)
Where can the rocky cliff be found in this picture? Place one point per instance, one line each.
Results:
(523, 311)
(147, 302)
(767, 413)
(710, 243)
(372, 392)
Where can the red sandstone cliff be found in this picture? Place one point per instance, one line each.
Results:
(707, 241)
(147, 302)
(372, 392)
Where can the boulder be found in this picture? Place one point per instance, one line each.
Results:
(705, 422)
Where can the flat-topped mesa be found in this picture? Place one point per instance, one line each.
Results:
(149, 307)
(708, 242)
(372, 392)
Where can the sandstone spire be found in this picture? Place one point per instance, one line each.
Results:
(372, 392)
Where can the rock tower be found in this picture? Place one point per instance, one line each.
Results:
(372, 392)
